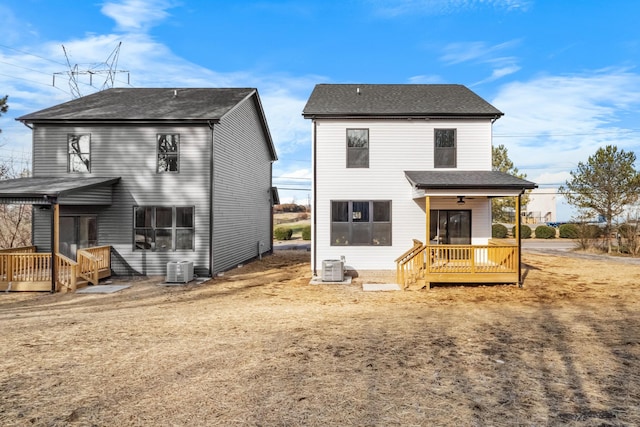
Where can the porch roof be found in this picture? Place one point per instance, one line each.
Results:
(44, 190)
(476, 181)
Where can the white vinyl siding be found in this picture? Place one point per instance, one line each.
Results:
(400, 145)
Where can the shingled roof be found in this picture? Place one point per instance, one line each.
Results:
(422, 100)
(146, 104)
(450, 180)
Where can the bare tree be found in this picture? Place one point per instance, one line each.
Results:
(15, 219)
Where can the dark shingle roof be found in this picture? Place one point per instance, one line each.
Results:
(50, 186)
(148, 104)
(449, 180)
(334, 100)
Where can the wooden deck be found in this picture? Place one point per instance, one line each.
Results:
(24, 269)
(423, 264)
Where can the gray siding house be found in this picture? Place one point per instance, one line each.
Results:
(159, 175)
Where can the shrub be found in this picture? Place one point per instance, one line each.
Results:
(545, 232)
(282, 233)
(525, 231)
(306, 232)
(569, 231)
(499, 231)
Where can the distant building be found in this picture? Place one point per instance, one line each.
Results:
(542, 206)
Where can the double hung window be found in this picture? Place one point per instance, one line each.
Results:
(357, 148)
(444, 148)
(79, 152)
(168, 152)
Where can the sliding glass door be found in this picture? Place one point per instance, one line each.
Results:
(450, 227)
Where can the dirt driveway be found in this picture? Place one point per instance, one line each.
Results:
(260, 346)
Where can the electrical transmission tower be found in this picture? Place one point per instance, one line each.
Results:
(108, 69)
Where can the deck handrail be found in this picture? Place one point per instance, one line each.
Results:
(87, 266)
(410, 264)
(420, 263)
(26, 270)
(25, 266)
(19, 250)
(66, 273)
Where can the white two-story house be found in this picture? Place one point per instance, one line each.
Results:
(402, 181)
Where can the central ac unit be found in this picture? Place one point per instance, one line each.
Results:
(332, 270)
(179, 271)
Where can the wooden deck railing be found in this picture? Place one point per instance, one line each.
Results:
(409, 265)
(492, 263)
(67, 273)
(23, 269)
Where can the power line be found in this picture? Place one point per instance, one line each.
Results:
(33, 81)
(524, 135)
(31, 54)
(24, 68)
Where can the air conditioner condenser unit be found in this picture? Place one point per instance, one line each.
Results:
(179, 272)
(333, 270)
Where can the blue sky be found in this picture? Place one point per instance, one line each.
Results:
(565, 73)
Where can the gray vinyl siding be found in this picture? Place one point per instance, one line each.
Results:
(242, 188)
(92, 197)
(41, 229)
(129, 152)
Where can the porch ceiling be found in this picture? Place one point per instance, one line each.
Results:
(487, 183)
(44, 190)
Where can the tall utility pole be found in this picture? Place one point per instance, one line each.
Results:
(108, 68)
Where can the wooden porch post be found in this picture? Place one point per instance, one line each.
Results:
(518, 240)
(55, 237)
(427, 208)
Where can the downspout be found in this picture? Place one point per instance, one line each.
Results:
(314, 212)
(211, 202)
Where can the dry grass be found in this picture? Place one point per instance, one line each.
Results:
(262, 347)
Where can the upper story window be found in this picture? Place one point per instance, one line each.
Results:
(162, 228)
(357, 148)
(444, 154)
(79, 152)
(168, 153)
(361, 223)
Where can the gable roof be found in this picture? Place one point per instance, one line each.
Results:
(147, 105)
(461, 180)
(421, 100)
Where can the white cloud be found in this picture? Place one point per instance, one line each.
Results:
(553, 122)
(394, 8)
(426, 79)
(149, 64)
(137, 15)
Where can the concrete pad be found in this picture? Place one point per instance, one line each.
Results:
(318, 281)
(102, 289)
(380, 287)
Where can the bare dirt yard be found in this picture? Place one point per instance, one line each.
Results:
(262, 347)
